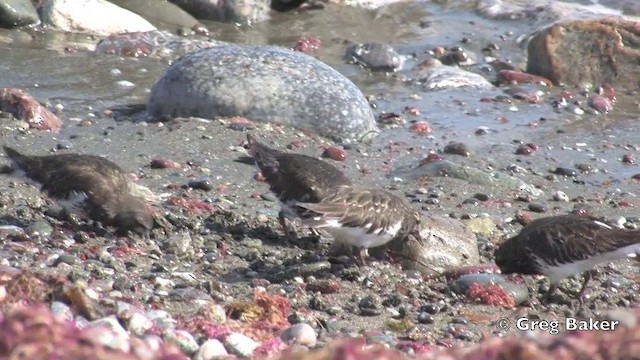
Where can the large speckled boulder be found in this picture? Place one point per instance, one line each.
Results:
(594, 51)
(263, 83)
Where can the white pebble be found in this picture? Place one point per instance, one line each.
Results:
(125, 84)
(240, 344)
(301, 334)
(139, 324)
(61, 310)
(183, 339)
(115, 72)
(109, 332)
(210, 349)
(560, 196)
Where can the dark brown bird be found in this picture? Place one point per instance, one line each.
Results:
(86, 185)
(362, 217)
(563, 246)
(294, 178)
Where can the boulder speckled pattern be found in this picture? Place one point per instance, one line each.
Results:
(263, 83)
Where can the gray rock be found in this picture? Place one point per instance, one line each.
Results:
(374, 56)
(98, 17)
(301, 334)
(470, 174)
(445, 243)
(183, 339)
(240, 344)
(113, 336)
(210, 349)
(242, 11)
(263, 83)
(16, 13)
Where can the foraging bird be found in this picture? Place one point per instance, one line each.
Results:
(86, 185)
(362, 217)
(294, 178)
(562, 246)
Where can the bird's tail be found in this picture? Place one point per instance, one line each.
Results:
(265, 157)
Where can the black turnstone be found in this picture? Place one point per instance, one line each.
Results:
(362, 217)
(86, 185)
(562, 246)
(294, 178)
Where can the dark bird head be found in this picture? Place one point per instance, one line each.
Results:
(133, 214)
(511, 257)
(265, 157)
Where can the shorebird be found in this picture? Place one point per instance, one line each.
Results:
(294, 178)
(362, 217)
(89, 186)
(562, 246)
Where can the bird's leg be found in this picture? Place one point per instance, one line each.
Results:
(362, 256)
(587, 278)
(547, 297)
(291, 235)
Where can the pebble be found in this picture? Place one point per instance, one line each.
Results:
(139, 324)
(563, 171)
(41, 228)
(61, 310)
(301, 334)
(560, 196)
(240, 344)
(457, 148)
(210, 350)
(203, 184)
(537, 207)
(374, 56)
(116, 338)
(335, 153)
(183, 339)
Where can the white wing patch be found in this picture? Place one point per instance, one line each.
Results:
(74, 204)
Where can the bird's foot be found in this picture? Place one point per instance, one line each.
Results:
(362, 257)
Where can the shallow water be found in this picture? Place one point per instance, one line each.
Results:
(86, 84)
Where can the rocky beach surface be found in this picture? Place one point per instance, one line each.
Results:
(484, 115)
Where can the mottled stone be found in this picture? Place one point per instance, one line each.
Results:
(263, 83)
(159, 12)
(374, 56)
(593, 51)
(435, 76)
(445, 243)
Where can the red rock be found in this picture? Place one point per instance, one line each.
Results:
(412, 110)
(307, 44)
(420, 127)
(241, 123)
(628, 159)
(608, 92)
(524, 150)
(22, 106)
(161, 163)
(135, 44)
(518, 77)
(600, 103)
(597, 51)
(335, 153)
